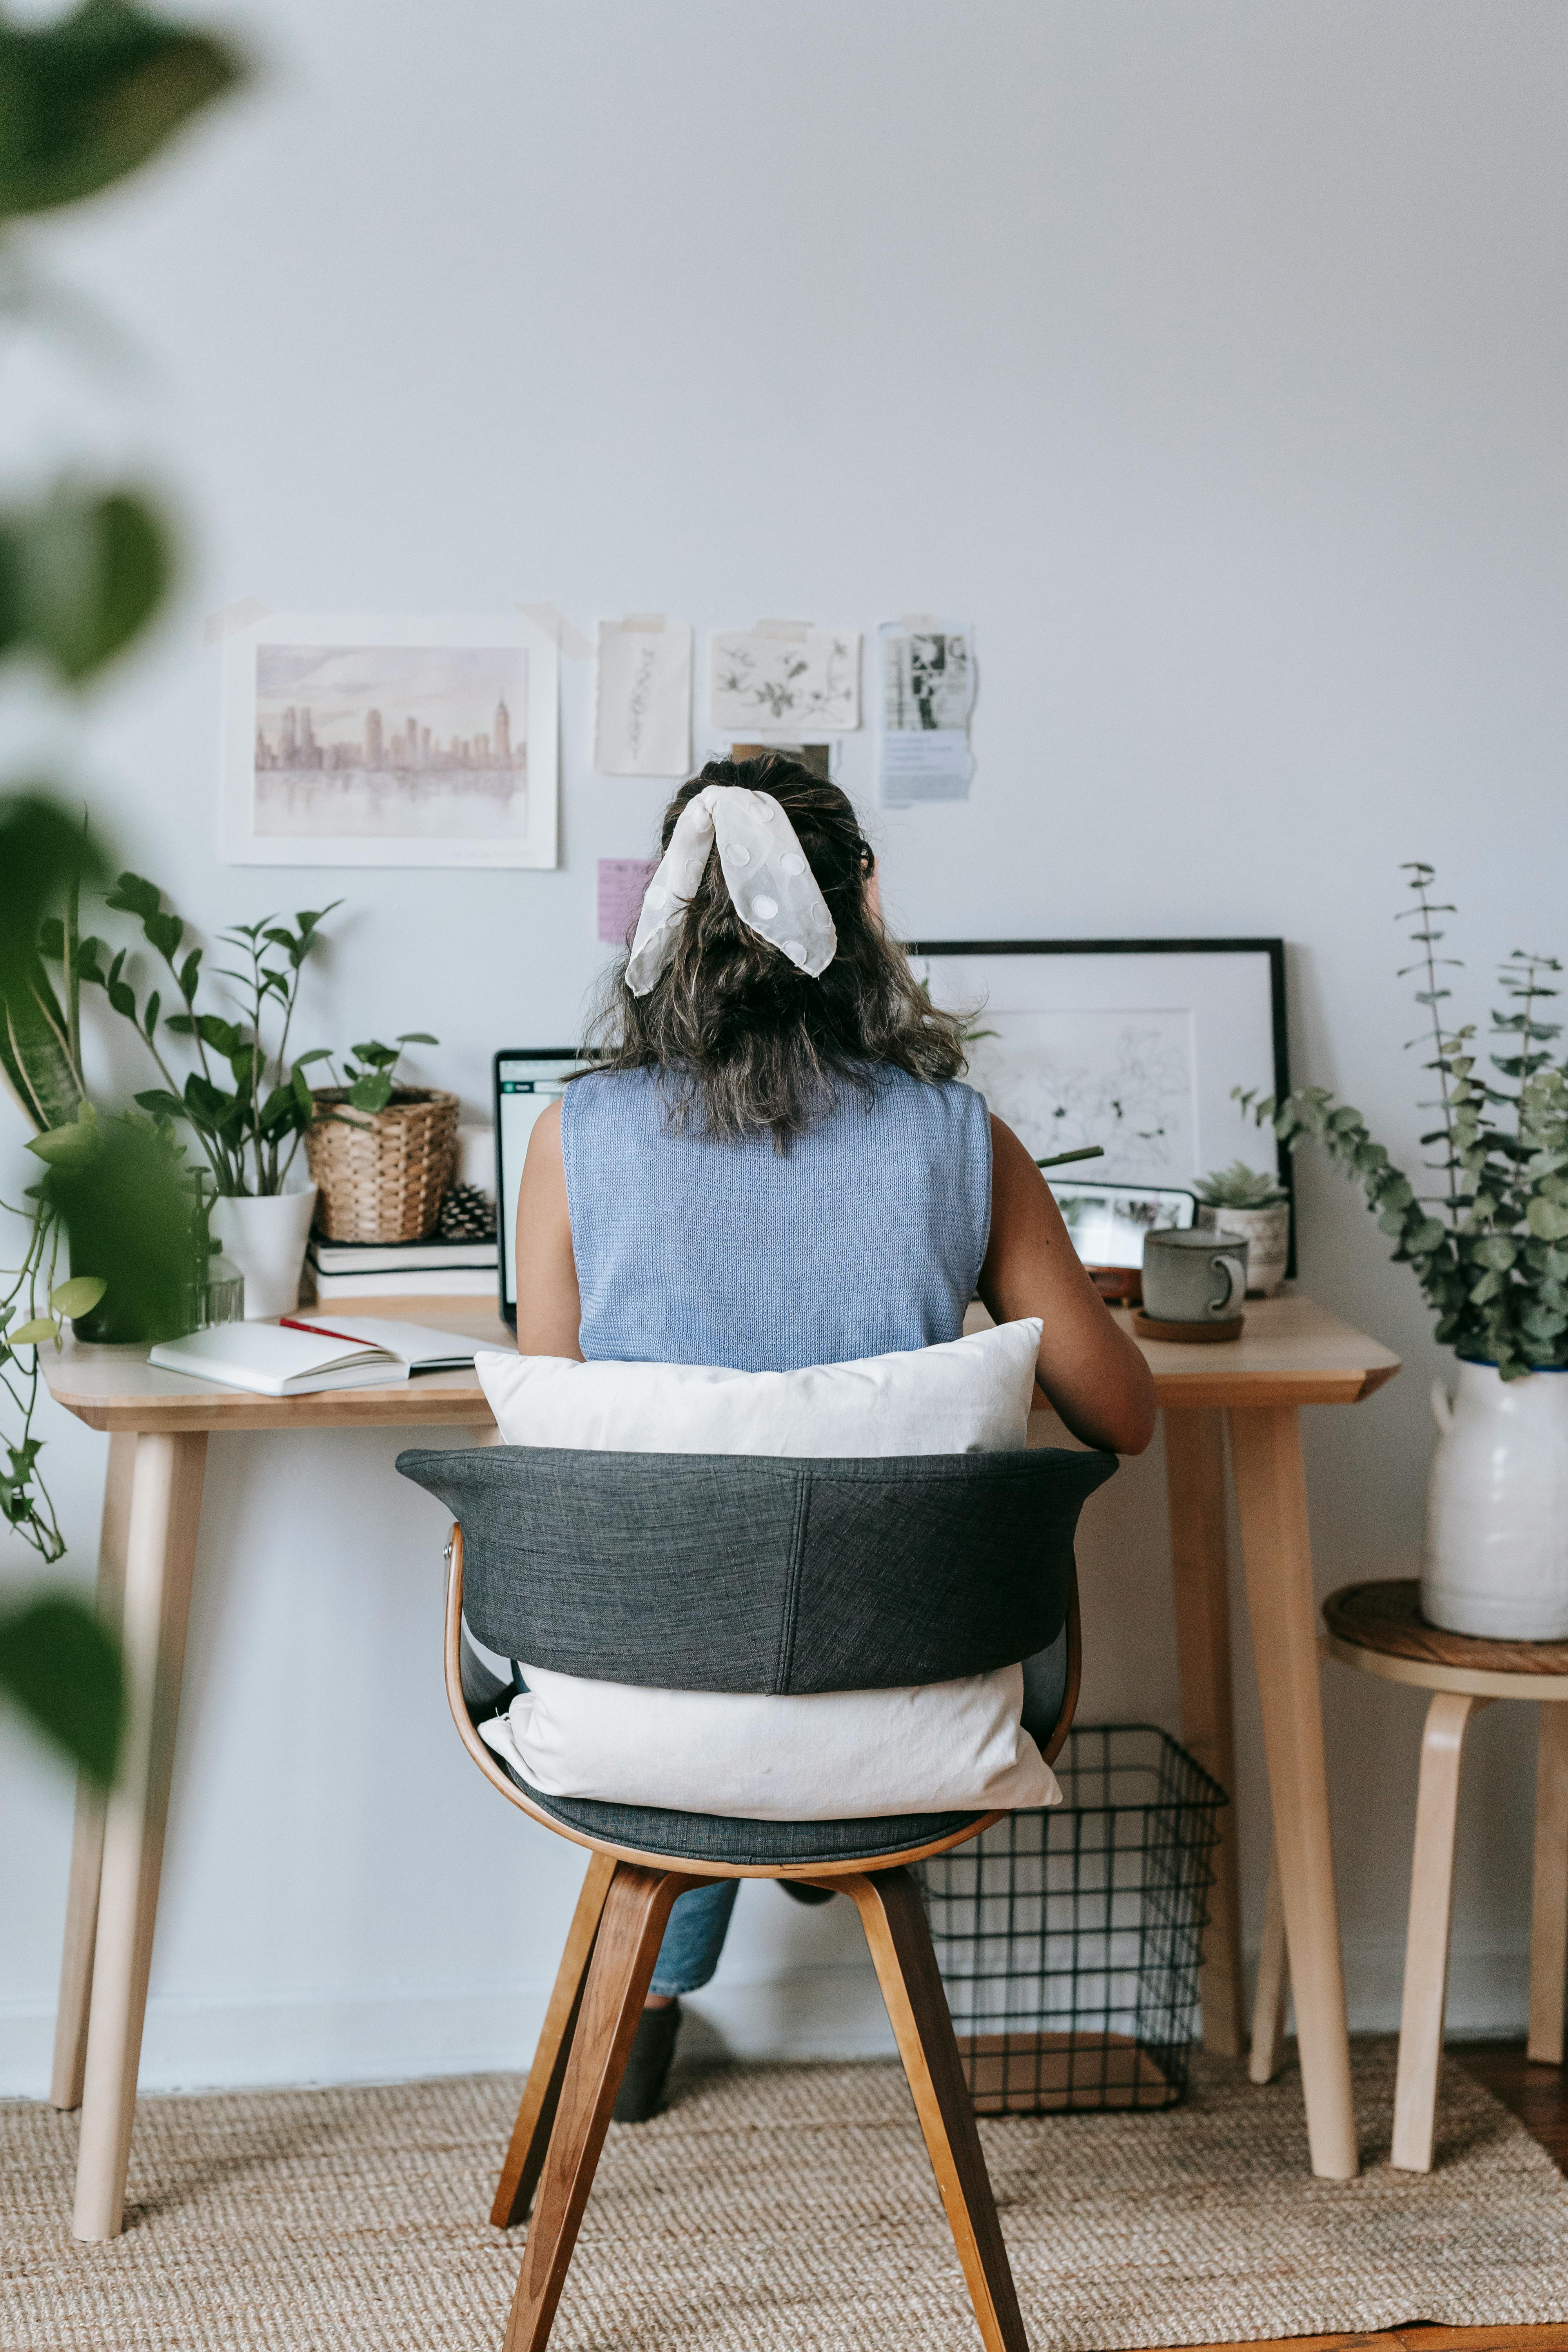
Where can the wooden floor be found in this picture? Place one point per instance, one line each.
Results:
(1537, 2096)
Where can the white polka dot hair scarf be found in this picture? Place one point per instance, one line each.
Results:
(769, 877)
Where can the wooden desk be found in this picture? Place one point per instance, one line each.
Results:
(1292, 1354)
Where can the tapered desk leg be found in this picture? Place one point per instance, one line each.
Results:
(1271, 1498)
(87, 1840)
(1273, 1985)
(1549, 1914)
(161, 1549)
(1200, 1572)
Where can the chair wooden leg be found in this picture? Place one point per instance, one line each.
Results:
(542, 2093)
(895, 1925)
(1549, 1908)
(1427, 1937)
(631, 1928)
(1273, 1984)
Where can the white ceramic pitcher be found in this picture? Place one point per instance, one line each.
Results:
(1496, 1507)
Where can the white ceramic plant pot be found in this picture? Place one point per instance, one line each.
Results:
(265, 1238)
(1268, 1232)
(1496, 1507)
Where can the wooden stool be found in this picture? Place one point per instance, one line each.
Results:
(1379, 1629)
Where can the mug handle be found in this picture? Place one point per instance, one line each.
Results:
(1235, 1282)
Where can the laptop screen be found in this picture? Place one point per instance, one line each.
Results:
(528, 1080)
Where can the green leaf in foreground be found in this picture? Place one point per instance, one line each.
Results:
(63, 1672)
(89, 568)
(79, 1295)
(32, 1334)
(88, 98)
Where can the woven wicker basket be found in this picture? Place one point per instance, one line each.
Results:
(381, 1174)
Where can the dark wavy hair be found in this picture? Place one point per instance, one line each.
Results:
(745, 1043)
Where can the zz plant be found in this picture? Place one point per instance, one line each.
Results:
(1489, 1244)
(247, 1103)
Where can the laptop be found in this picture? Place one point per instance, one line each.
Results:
(528, 1079)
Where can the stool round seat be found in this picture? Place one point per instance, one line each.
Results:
(1378, 1628)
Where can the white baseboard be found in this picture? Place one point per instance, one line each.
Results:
(829, 2012)
(211, 2045)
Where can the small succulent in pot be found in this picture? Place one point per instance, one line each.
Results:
(1239, 1187)
(1248, 1201)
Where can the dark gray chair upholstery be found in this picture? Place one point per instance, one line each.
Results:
(731, 1572)
(744, 1573)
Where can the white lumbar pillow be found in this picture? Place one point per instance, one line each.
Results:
(965, 1396)
(825, 1756)
(940, 1748)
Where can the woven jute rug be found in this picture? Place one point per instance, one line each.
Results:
(771, 2208)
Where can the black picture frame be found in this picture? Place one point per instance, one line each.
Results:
(1273, 949)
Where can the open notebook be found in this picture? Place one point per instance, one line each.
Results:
(303, 1355)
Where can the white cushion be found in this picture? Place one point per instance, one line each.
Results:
(940, 1748)
(965, 1396)
(833, 1756)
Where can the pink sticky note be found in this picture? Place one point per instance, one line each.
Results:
(622, 881)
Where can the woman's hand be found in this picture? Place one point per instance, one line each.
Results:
(548, 1308)
(1093, 1375)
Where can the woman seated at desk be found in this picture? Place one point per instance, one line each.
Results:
(777, 1165)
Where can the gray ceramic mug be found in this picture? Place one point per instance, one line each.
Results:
(1193, 1277)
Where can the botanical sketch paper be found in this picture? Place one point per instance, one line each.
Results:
(359, 739)
(1123, 1081)
(788, 681)
(1133, 1047)
(643, 721)
(928, 694)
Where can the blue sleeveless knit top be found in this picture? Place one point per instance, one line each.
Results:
(864, 1238)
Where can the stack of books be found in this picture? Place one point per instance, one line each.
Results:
(344, 1271)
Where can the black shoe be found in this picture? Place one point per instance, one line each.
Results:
(641, 2094)
(804, 1894)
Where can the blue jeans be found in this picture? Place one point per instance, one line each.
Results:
(698, 1921)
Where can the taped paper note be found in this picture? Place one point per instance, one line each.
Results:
(563, 634)
(794, 686)
(928, 694)
(218, 625)
(622, 881)
(643, 710)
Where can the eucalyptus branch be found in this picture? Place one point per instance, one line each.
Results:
(1496, 1276)
(1432, 996)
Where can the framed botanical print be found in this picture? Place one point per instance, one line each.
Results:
(1133, 1044)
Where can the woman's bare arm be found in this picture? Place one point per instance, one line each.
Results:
(549, 1309)
(1091, 1372)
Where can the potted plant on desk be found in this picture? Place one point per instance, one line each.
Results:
(1489, 1247)
(247, 1104)
(1245, 1201)
(382, 1155)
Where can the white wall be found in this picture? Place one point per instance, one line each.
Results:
(1210, 356)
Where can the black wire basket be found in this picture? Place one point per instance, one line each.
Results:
(1070, 1940)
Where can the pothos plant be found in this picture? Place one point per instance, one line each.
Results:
(1488, 1242)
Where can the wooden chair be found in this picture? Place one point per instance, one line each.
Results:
(953, 1522)
(1378, 1629)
